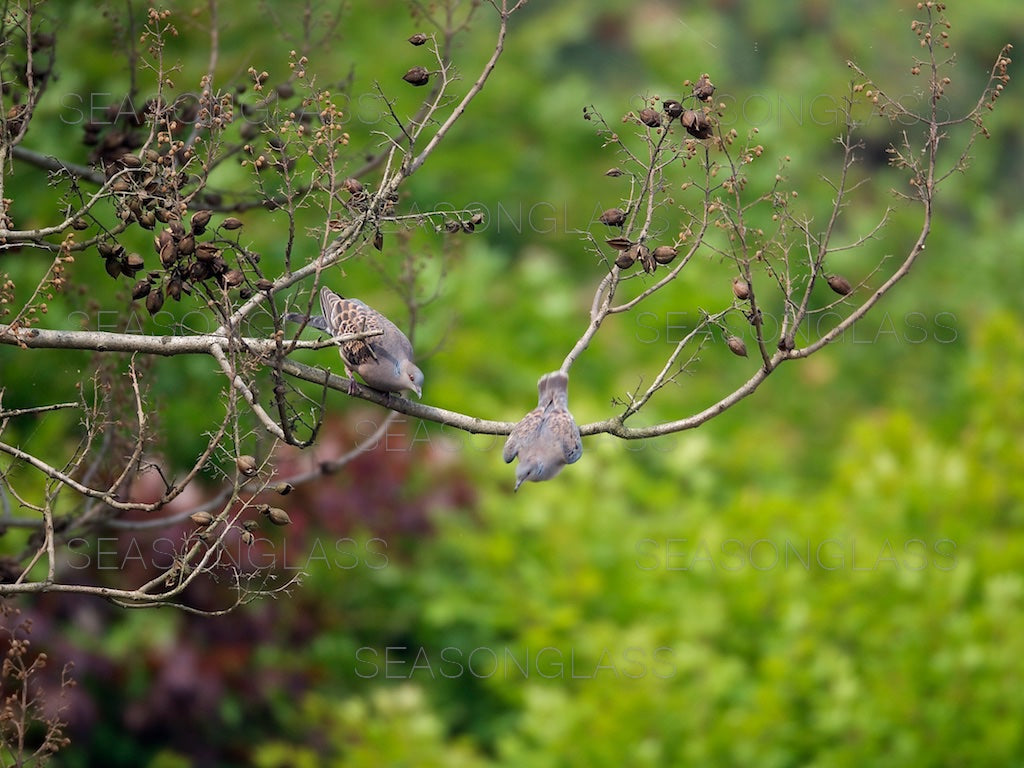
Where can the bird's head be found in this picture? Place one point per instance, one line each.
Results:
(412, 377)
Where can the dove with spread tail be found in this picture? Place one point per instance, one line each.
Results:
(384, 361)
(547, 438)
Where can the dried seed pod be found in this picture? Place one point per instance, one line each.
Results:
(417, 76)
(704, 89)
(625, 259)
(476, 218)
(247, 538)
(132, 264)
(79, 223)
(418, 39)
(154, 301)
(378, 240)
(672, 108)
(740, 288)
(613, 217)
(646, 259)
(839, 284)
(113, 267)
(665, 254)
(207, 252)
(141, 289)
(168, 254)
(737, 346)
(177, 230)
(786, 344)
(233, 278)
(174, 286)
(278, 516)
(199, 271)
(251, 525)
(147, 219)
(452, 227)
(352, 185)
(246, 465)
(231, 223)
(199, 221)
(284, 488)
(619, 243)
(696, 123)
(187, 245)
(106, 250)
(264, 284)
(201, 518)
(650, 117)
(129, 160)
(614, 172)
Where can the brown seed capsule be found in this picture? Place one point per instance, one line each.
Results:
(199, 221)
(251, 525)
(619, 243)
(672, 108)
(418, 39)
(839, 284)
(378, 240)
(201, 518)
(740, 288)
(614, 172)
(476, 218)
(696, 123)
(650, 117)
(130, 161)
(207, 252)
(177, 230)
(613, 217)
(106, 250)
(704, 89)
(284, 488)
(133, 263)
(147, 219)
(246, 465)
(417, 76)
(247, 538)
(168, 254)
(625, 259)
(79, 224)
(646, 259)
(665, 254)
(141, 289)
(174, 288)
(278, 516)
(187, 245)
(737, 346)
(199, 271)
(352, 185)
(113, 267)
(154, 301)
(233, 278)
(263, 284)
(786, 344)
(231, 223)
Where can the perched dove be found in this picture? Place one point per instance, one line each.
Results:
(547, 438)
(384, 362)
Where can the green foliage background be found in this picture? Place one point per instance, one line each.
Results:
(830, 574)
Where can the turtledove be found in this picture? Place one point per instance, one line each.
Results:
(384, 362)
(547, 438)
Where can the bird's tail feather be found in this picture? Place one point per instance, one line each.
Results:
(553, 388)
